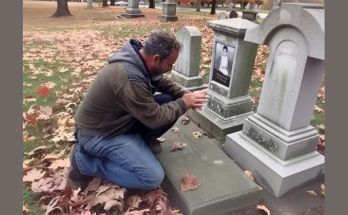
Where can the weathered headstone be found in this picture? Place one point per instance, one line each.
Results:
(187, 65)
(277, 143)
(168, 11)
(249, 14)
(233, 14)
(132, 10)
(230, 74)
(223, 15)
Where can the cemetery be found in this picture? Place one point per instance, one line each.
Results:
(245, 154)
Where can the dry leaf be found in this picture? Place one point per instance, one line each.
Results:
(189, 182)
(177, 146)
(33, 174)
(61, 163)
(318, 109)
(93, 185)
(311, 192)
(175, 130)
(197, 134)
(249, 174)
(133, 202)
(263, 208)
(185, 120)
(161, 139)
(53, 206)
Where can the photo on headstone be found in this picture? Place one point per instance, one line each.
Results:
(223, 62)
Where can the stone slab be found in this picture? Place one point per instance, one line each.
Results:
(130, 15)
(223, 185)
(215, 126)
(276, 175)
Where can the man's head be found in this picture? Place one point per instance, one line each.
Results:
(160, 51)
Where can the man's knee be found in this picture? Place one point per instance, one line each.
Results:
(153, 178)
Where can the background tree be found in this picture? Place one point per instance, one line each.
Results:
(112, 2)
(151, 3)
(89, 4)
(105, 3)
(213, 7)
(62, 9)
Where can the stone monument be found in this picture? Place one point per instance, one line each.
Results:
(223, 15)
(187, 65)
(168, 11)
(132, 10)
(277, 142)
(230, 73)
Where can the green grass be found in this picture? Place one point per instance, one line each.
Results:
(32, 200)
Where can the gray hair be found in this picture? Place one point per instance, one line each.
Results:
(161, 43)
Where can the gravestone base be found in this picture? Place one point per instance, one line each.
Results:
(192, 83)
(283, 143)
(274, 174)
(223, 185)
(133, 13)
(165, 18)
(214, 125)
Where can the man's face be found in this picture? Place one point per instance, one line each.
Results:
(166, 65)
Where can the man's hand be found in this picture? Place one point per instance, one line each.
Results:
(195, 99)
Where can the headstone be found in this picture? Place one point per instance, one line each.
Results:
(232, 62)
(233, 14)
(168, 11)
(223, 15)
(187, 65)
(277, 143)
(132, 10)
(249, 14)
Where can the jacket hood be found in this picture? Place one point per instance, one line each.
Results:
(129, 53)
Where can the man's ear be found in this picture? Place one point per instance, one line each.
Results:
(156, 58)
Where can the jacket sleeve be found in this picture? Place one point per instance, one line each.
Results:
(165, 85)
(136, 99)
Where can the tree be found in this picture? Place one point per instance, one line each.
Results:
(152, 4)
(112, 2)
(213, 6)
(62, 9)
(89, 4)
(105, 3)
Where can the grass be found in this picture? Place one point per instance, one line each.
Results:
(31, 200)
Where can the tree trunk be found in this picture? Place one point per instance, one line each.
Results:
(152, 4)
(105, 3)
(198, 5)
(112, 2)
(62, 9)
(213, 6)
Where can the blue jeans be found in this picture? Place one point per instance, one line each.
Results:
(123, 159)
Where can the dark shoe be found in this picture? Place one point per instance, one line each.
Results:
(75, 179)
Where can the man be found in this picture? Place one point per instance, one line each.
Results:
(120, 117)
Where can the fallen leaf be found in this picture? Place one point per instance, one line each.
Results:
(311, 192)
(197, 134)
(249, 174)
(33, 174)
(263, 208)
(43, 91)
(318, 109)
(177, 146)
(161, 139)
(61, 163)
(185, 120)
(175, 130)
(133, 202)
(53, 206)
(189, 182)
(93, 185)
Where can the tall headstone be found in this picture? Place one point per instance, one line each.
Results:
(230, 73)
(168, 11)
(223, 15)
(277, 143)
(187, 65)
(132, 10)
